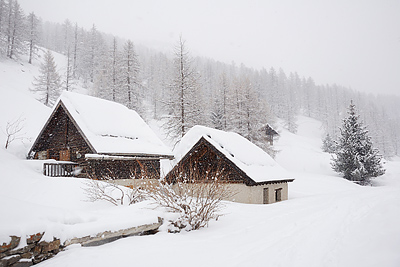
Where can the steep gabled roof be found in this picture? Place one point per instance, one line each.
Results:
(247, 157)
(109, 127)
(269, 130)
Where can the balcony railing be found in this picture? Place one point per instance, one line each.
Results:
(60, 169)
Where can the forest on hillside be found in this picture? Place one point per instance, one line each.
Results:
(183, 90)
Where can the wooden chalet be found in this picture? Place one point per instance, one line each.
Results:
(270, 133)
(250, 171)
(100, 138)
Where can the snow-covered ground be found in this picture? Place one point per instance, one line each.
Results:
(327, 220)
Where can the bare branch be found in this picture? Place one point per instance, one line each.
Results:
(197, 196)
(13, 130)
(106, 188)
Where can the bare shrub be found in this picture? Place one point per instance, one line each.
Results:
(107, 188)
(13, 130)
(196, 196)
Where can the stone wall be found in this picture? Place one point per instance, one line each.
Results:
(37, 251)
(34, 252)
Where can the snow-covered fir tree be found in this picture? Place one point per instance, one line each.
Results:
(3, 15)
(219, 107)
(67, 35)
(328, 144)
(224, 91)
(290, 103)
(15, 30)
(355, 156)
(47, 85)
(91, 54)
(217, 115)
(33, 35)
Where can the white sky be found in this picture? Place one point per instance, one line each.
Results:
(354, 43)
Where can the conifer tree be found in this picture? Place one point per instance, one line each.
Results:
(217, 115)
(92, 54)
(15, 30)
(184, 102)
(130, 69)
(114, 74)
(328, 144)
(32, 35)
(68, 82)
(47, 85)
(355, 157)
(3, 16)
(67, 35)
(219, 109)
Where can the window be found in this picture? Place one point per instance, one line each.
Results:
(43, 155)
(65, 155)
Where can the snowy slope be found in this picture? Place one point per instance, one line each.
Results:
(301, 154)
(17, 102)
(327, 220)
(34, 203)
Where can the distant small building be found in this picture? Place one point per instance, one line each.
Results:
(103, 138)
(247, 169)
(270, 133)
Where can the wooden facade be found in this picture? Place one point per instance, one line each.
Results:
(205, 158)
(270, 133)
(123, 169)
(62, 139)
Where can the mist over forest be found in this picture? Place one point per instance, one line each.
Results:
(230, 97)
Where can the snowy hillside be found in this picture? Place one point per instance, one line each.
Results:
(17, 102)
(327, 221)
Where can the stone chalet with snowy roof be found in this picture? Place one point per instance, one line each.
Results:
(247, 169)
(100, 138)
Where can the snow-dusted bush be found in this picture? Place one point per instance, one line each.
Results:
(196, 197)
(13, 130)
(108, 189)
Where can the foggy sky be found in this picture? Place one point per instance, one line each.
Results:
(352, 43)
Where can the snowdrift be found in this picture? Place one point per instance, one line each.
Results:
(327, 221)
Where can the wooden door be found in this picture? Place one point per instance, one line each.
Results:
(278, 194)
(265, 196)
(65, 155)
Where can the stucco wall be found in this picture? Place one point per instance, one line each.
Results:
(135, 183)
(255, 194)
(242, 192)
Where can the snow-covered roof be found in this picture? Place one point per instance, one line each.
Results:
(251, 159)
(112, 128)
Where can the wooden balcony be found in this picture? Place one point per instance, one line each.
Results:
(61, 169)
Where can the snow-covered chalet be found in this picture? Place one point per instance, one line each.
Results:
(100, 138)
(248, 170)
